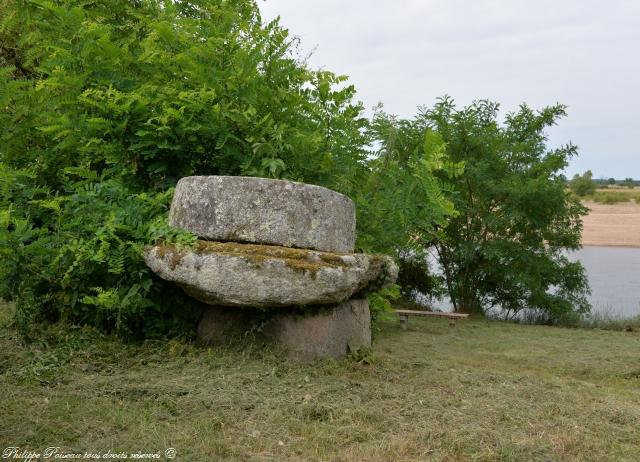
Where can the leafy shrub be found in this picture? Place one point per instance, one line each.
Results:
(381, 301)
(583, 185)
(104, 105)
(505, 244)
(416, 275)
(401, 202)
(79, 258)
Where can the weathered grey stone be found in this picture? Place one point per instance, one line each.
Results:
(331, 332)
(264, 211)
(334, 333)
(231, 274)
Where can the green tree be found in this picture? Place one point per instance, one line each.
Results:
(399, 198)
(611, 181)
(506, 246)
(105, 104)
(583, 185)
(629, 183)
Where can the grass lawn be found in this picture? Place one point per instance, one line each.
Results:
(483, 391)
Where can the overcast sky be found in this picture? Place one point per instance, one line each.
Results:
(406, 53)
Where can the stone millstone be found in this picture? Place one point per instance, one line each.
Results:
(331, 332)
(231, 274)
(264, 211)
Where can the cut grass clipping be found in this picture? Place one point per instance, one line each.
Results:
(483, 391)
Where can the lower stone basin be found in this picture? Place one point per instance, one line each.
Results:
(232, 274)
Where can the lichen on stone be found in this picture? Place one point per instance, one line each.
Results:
(311, 261)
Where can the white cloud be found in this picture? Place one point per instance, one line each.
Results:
(582, 53)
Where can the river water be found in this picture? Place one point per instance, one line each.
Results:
(614, 277)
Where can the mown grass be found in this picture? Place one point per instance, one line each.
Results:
(483, 391)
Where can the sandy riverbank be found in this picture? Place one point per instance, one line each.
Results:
(612, 225)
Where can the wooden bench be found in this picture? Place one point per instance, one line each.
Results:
(403, 315)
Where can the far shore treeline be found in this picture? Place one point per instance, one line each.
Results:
(104, 105)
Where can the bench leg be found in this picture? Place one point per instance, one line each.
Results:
(404, 319)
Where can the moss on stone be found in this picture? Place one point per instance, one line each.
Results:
(310, 261)
(176, 257)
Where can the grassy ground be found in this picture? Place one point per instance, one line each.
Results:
(616, 195)
(483, 391)
(610, 321)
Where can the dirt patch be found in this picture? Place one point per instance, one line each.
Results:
(612, 225)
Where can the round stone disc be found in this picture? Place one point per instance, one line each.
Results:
(231, 274)
(264, 211)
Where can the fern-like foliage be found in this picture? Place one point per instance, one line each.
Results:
(105, 104)
(78, 256)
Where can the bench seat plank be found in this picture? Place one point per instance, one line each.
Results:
(432, 313)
